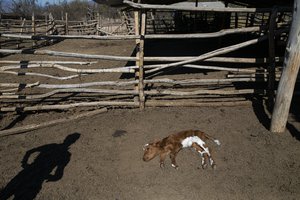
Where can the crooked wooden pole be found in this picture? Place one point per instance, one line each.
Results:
(290, 71)
(141, 60)
(67, 24)
(137, 42)
(33, 27)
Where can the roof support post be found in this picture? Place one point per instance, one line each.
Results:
(288, 79)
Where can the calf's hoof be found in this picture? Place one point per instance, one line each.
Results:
(204, 166)
(162, 165)
(175, 166)
(214, 166)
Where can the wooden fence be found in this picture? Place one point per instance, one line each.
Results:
(50, 26)
(248, 76)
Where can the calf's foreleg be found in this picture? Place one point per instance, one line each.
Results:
(173, 159)
(162, 159)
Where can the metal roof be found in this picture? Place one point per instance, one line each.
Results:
(248, 3)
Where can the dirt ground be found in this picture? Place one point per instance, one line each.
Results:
(101, 157)
(106, 161)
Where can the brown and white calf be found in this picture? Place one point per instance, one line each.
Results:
(172, 144)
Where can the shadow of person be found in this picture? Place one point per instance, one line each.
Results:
(47, 166)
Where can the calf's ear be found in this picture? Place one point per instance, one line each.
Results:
(145, 146)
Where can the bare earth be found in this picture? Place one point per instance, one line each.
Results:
(105, 162)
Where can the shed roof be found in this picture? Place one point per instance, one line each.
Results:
(251, 3)
(216, 4)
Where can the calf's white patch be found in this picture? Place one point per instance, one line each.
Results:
(187, 142)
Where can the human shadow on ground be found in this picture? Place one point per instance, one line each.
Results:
(47, 166)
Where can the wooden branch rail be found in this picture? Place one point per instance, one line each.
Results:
(83, 26)
(80, 71)
(214, 59)
(90, 84)
(31, 127)
(195, 103)
(127, 104)
(68, 106)
(154, 81)
(123, 103)
(197, 92)
(204, 35)
(131, 37)
(17, 87)
(233, 79)
(41, 75)
(220, 68)
(203, 9)
(65, 54)
(209, 54)
(70, 90)
(258, 76)
(25, 62)
(130, 92)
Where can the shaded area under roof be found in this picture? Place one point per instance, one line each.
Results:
(262, 3)
(120, 2)
(250, 3)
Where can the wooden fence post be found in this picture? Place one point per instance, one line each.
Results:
(137, 42)
(46, 21)
(272, 62)
(141, 60)
(51, 24)
(98, 24)
(67, 24)
(23, 21)
(288, 79)
(33, 27)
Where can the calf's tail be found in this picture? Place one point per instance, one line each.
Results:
(213, 139)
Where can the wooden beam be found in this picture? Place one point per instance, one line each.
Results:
(141, 60)
(33, 28)
(67, 24)
(131, 37)
(67, 54)
(137, 43)
(153, 103)
(288, 79)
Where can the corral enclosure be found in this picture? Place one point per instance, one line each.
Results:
(104, 162)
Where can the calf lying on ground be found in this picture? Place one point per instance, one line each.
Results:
(172, 144)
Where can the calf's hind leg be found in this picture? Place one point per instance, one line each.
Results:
(211, 160)
(203, 153)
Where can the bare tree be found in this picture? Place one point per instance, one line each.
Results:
(24, 7)
(1, 6)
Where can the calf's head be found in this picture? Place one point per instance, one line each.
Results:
(151, 150)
